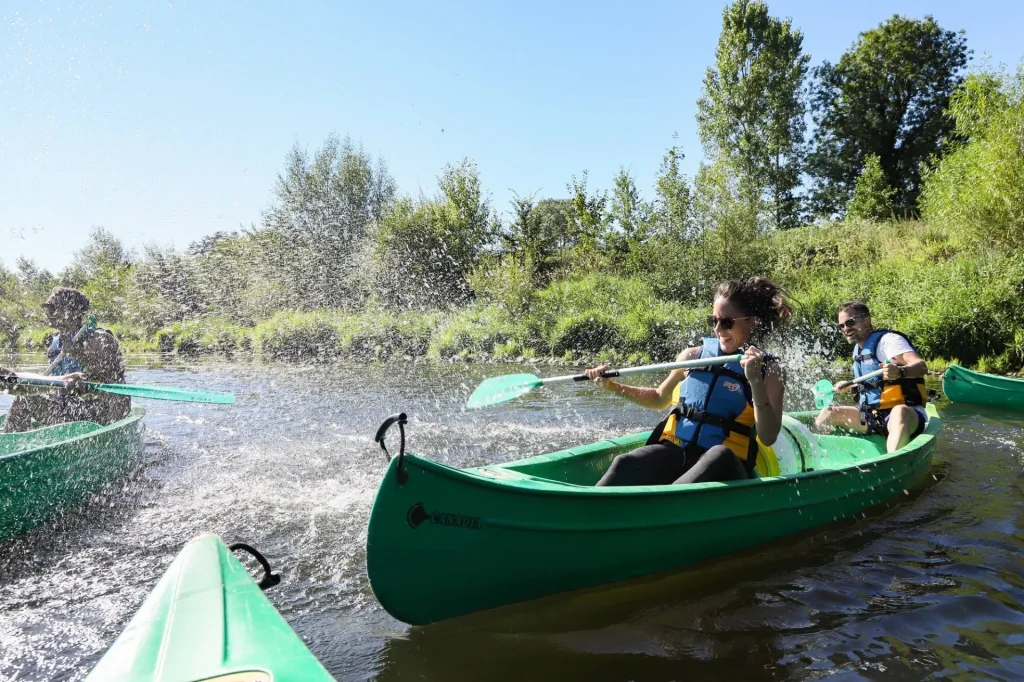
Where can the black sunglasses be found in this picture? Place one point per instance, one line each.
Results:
(850, 323)
(726, 322)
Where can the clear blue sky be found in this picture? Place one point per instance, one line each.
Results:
(170, 121)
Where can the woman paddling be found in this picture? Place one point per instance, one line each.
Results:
(722, 411)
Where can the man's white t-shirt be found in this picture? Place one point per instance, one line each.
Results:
(890, 346)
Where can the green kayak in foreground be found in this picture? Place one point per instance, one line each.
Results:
(47, 471)
(207, 620)
(964, 386)
(443, 542)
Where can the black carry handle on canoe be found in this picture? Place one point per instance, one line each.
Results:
(270, 579)
(401, 420)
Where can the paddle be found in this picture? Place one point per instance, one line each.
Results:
(89, 325)
(501, 389)
(825, 392)
(154, 392)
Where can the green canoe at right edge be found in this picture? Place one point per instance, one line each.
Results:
(207, 620)
(964, 386)
(443, 542)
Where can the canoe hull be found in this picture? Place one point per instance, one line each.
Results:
(53, 470)
(962, 385)
(449, 542)
(207, 620)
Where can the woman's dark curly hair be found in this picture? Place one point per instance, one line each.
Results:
(758, 297)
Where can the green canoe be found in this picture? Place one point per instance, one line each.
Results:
(443, 542)
(207, 620)
(47, 471)
(964, 386)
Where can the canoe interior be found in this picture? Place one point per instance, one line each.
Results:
(584, 465)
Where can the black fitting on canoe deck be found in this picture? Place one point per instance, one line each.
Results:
(270, 579)
(401, 420)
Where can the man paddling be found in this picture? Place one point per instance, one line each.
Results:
(890, 406)
(79, 352)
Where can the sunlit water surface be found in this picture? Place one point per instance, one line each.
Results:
(929, 586)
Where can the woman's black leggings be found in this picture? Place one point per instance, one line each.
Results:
(665, 463)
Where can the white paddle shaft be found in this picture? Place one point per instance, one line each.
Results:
(869, 375)
(685, 364)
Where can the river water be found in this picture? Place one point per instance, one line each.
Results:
(929, 586)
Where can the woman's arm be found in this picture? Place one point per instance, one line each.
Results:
(654, 398)
(767, 393)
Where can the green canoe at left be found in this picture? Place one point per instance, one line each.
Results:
(964, 386)
(207, 620)
(51, 470)
(443, 542)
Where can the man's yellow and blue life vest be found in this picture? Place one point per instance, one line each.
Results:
(714, 407)
(884, 395)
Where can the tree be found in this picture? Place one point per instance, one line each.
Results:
(323, 208)
(752, 110)
(103, 252)
(426, 250)
(628, 214)
(872, 195)
(977, 190)
(886, 96)
(672, 210)
(586, 215)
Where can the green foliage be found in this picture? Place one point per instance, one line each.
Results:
(483, 332)
(328, 335)
(752, 110)
(873, 196)
(507, 283)
(978, 189)
(425, 250)
(885, 96)
(323, 208)
(201, 336)
(586, 219)
(672, 210)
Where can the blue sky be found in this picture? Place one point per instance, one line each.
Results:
(168, 121)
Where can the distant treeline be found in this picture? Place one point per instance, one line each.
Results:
(909, 188)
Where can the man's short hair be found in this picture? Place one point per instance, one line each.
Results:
(855, 309)
(67, 297)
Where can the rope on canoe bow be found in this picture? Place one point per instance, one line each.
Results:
(401, 420)
(269, 577)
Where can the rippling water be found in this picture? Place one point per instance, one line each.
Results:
(929, 586)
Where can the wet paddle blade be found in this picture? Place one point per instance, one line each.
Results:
(161, 393)
(824, 392)
(501, 389)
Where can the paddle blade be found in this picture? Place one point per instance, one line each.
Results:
(500, 389)
(162, 393)
(823, 393)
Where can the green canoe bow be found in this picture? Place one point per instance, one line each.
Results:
(447, 542)
(47, 471)
(962, 385)
(207, 620)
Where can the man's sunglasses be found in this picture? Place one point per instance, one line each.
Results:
(726, 322)
(850, 323)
